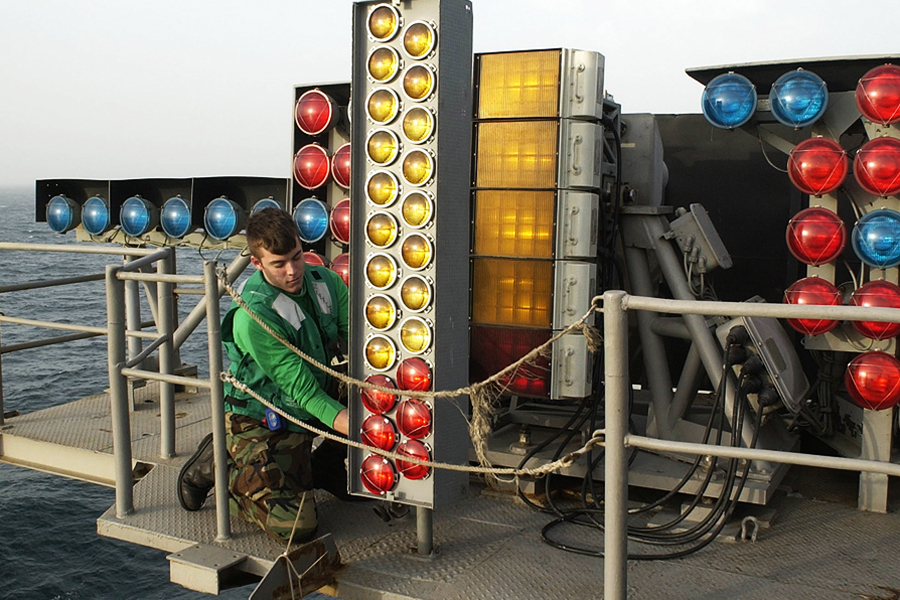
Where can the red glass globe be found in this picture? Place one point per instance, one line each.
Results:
(312, 166)
(878, 94)
(315, 112)
(816, 236)
(818, 166)
(378, 431)
(882, 294)
(414, 418)
(877, 166)
(341, 266)
(873, 380)
(340, 166)
(417, 450)
(414, 374)
(377, 474)
(375, 401)
(313, 258)
(339, 221)
(812, 291)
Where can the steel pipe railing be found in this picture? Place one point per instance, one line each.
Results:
(72, 249)
(45, 283)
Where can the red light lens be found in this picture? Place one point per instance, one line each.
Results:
(417, 450)
(414, 418)
(312, 166)
(812, 291)
(339, 222)
(377, 474)
(312, 258)
(816, 236)
(315, 112)
(494, 348)
(878, 94)
(818, 166)
(378, 431)
(341, 266)
(877, 166)
(414, 374)
(340, 166)
(375, 401)
(873, 380)
(882, 294)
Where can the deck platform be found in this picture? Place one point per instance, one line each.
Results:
(817, 546)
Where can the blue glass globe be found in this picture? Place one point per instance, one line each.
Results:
(729, 100)
(223, 218)
(266, 203)
(62, 214)
(876, 238)
(311, 217)
(95, 215)
(798, 98)
(176, 217)
(138, 216)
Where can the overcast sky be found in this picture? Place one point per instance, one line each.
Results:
(179, 88)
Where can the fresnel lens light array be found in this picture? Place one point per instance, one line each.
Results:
(409, 259)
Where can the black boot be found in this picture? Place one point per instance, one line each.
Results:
(197, 476)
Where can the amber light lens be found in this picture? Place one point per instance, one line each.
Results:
(381, 313)
(416, 251)
(380, 353)
(415, 335)
(382, 147)
(417, 167)
(418, 125)
(517, 154)
(418, 40)
(383, 64)
(381, 229)
(512, 292)
(514, 223)
(519, 84)
(382, 188)
(417, 209)
(383, 106)
(415, 293)
(375, 401)
(383, 23)
(381, 271)
(418, 82)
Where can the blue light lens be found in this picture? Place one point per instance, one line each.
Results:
(266, 203)
(137, 216)
(95, 215)
(729, 100)
(876, 238)
(223, 218)
(62, 214)
(176, 217)
(311, 217)
(798, 98)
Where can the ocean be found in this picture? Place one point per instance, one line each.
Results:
(49, 546)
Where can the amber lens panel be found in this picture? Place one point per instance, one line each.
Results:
(415, 335)
(515, 223)
(382, 147)
(383, 63)
(381, 271)
(381, 313)
(519, 84)
(383, 105)
(415, 293)
(418, 39)
(417, 167)
(380, 353)
(512, 292)
(418, 82)
(517, 154)
(381, 229)
(417, 209)
(383, 22)
(416, 251)
(418, 125)
(382, 188)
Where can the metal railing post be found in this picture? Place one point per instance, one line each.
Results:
(424, 530)
(1, 392)
(166, 327)
(615, 358)
(118, 390)
(217, 398)
(133, 323)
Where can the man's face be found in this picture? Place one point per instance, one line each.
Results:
(284, 271)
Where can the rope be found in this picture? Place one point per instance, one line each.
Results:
(483, 395)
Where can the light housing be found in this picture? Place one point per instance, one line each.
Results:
(382, 188)
(878, 94)
(223, 218)
(878, 293)
(813, 291)
(729, 100)
(416, 293)
(175, 218)
(877, 166)
(381, 312)
(816, 236)
(383, 64)
(312, 166)
(380, 353)
(340, 166)
(418, 125)
(818, 166)
(414, 418)
(375, 401)
(381, 229)
(314, 258)
(265, 203)
(63, 214)
(383, 105)
(378, 431)
(419, 451)
(419, 82)
(377, 475)
(419, 39)
(798, 98)
(138, 216)
(95, 215)
(381, 271)
(341, 266)
(414, 374)
(876, 238)
(311, 218)
(416, 251)
(415, 335)
(383, 22)
(417, 209)
(873, 380)
(339, 221)
(382, 147)
(315, 112)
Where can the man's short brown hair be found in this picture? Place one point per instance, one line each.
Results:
(271, 229)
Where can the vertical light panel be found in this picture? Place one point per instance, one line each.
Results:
(410, 139)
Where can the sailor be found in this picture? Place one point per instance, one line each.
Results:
(272, 467)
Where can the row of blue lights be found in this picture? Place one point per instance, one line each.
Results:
(797, 99)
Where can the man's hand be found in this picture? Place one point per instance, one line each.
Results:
(342, 422)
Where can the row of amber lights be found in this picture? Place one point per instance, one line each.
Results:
(387, 173)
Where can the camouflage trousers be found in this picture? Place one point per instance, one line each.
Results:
(269, 477)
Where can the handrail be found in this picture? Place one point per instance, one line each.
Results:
(70, 249)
